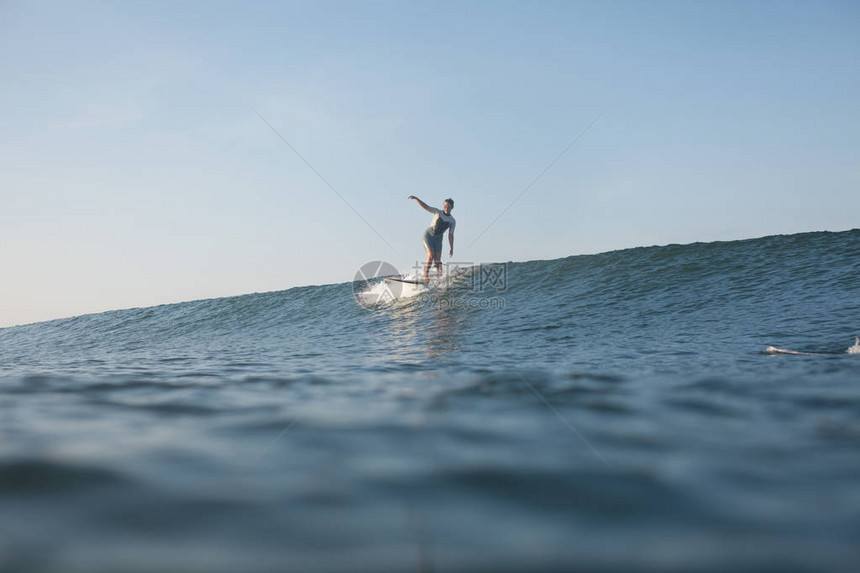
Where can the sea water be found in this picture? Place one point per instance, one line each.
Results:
(620, 412)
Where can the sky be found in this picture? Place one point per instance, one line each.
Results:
(137, 167)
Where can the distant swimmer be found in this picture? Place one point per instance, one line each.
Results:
(442, 221)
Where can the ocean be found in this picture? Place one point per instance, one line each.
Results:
(676, 408)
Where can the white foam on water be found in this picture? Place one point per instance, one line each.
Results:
(775, 350)
(380, 293)
(855, 349)
(384, 292)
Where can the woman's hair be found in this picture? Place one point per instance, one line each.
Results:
(451, 201)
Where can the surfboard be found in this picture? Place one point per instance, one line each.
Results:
(407, 281)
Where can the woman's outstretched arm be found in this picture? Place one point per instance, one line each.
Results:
(424, 205)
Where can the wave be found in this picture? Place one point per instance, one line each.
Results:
(789, 285)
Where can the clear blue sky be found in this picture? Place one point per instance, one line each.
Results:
(134, 170)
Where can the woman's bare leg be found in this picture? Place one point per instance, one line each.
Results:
(438, 261)
(427, 264)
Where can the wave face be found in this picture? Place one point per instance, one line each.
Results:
(687, 407)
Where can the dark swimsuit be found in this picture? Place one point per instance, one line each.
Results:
(433, 234)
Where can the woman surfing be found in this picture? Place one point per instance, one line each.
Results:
(442, 221)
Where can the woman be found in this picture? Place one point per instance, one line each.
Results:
(442, 221)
